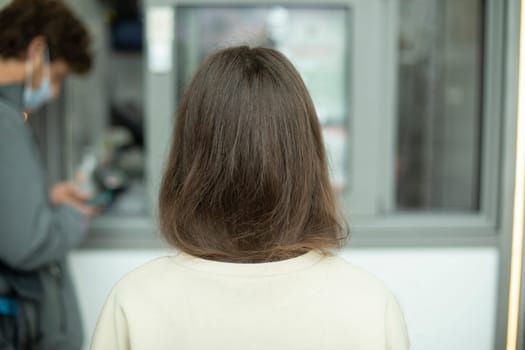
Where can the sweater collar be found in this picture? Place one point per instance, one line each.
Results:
(301, 262)
(13, 94)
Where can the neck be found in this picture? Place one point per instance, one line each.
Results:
(11, 71)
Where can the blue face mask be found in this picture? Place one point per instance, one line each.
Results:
(34, 98)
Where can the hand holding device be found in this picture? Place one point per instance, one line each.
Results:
(70, 194)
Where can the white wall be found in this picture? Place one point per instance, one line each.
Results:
(448, 295)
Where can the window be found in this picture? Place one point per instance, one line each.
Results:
(314, 38)
(408, 94)
(439, 110)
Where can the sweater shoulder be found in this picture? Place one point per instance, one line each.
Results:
(142, 277)
(348, 275)
(10, 115)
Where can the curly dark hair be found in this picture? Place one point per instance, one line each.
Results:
(66, 36)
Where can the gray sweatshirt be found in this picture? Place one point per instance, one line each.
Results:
(33, 233)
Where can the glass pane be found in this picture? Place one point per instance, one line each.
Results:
(439, 105)
(107, 132)
(314, 39)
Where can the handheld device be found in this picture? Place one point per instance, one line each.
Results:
(101, 198)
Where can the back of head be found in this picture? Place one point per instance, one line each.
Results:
(247, 179)
(66, 36)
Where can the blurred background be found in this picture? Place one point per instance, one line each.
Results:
(417, 128)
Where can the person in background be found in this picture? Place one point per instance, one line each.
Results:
(247, 201)
(41, 42)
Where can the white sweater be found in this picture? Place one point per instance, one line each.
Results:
(308, 302)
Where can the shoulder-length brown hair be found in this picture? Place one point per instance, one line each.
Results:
(247, 179)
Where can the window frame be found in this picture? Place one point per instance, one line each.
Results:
(424, 226)
(368, 203)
